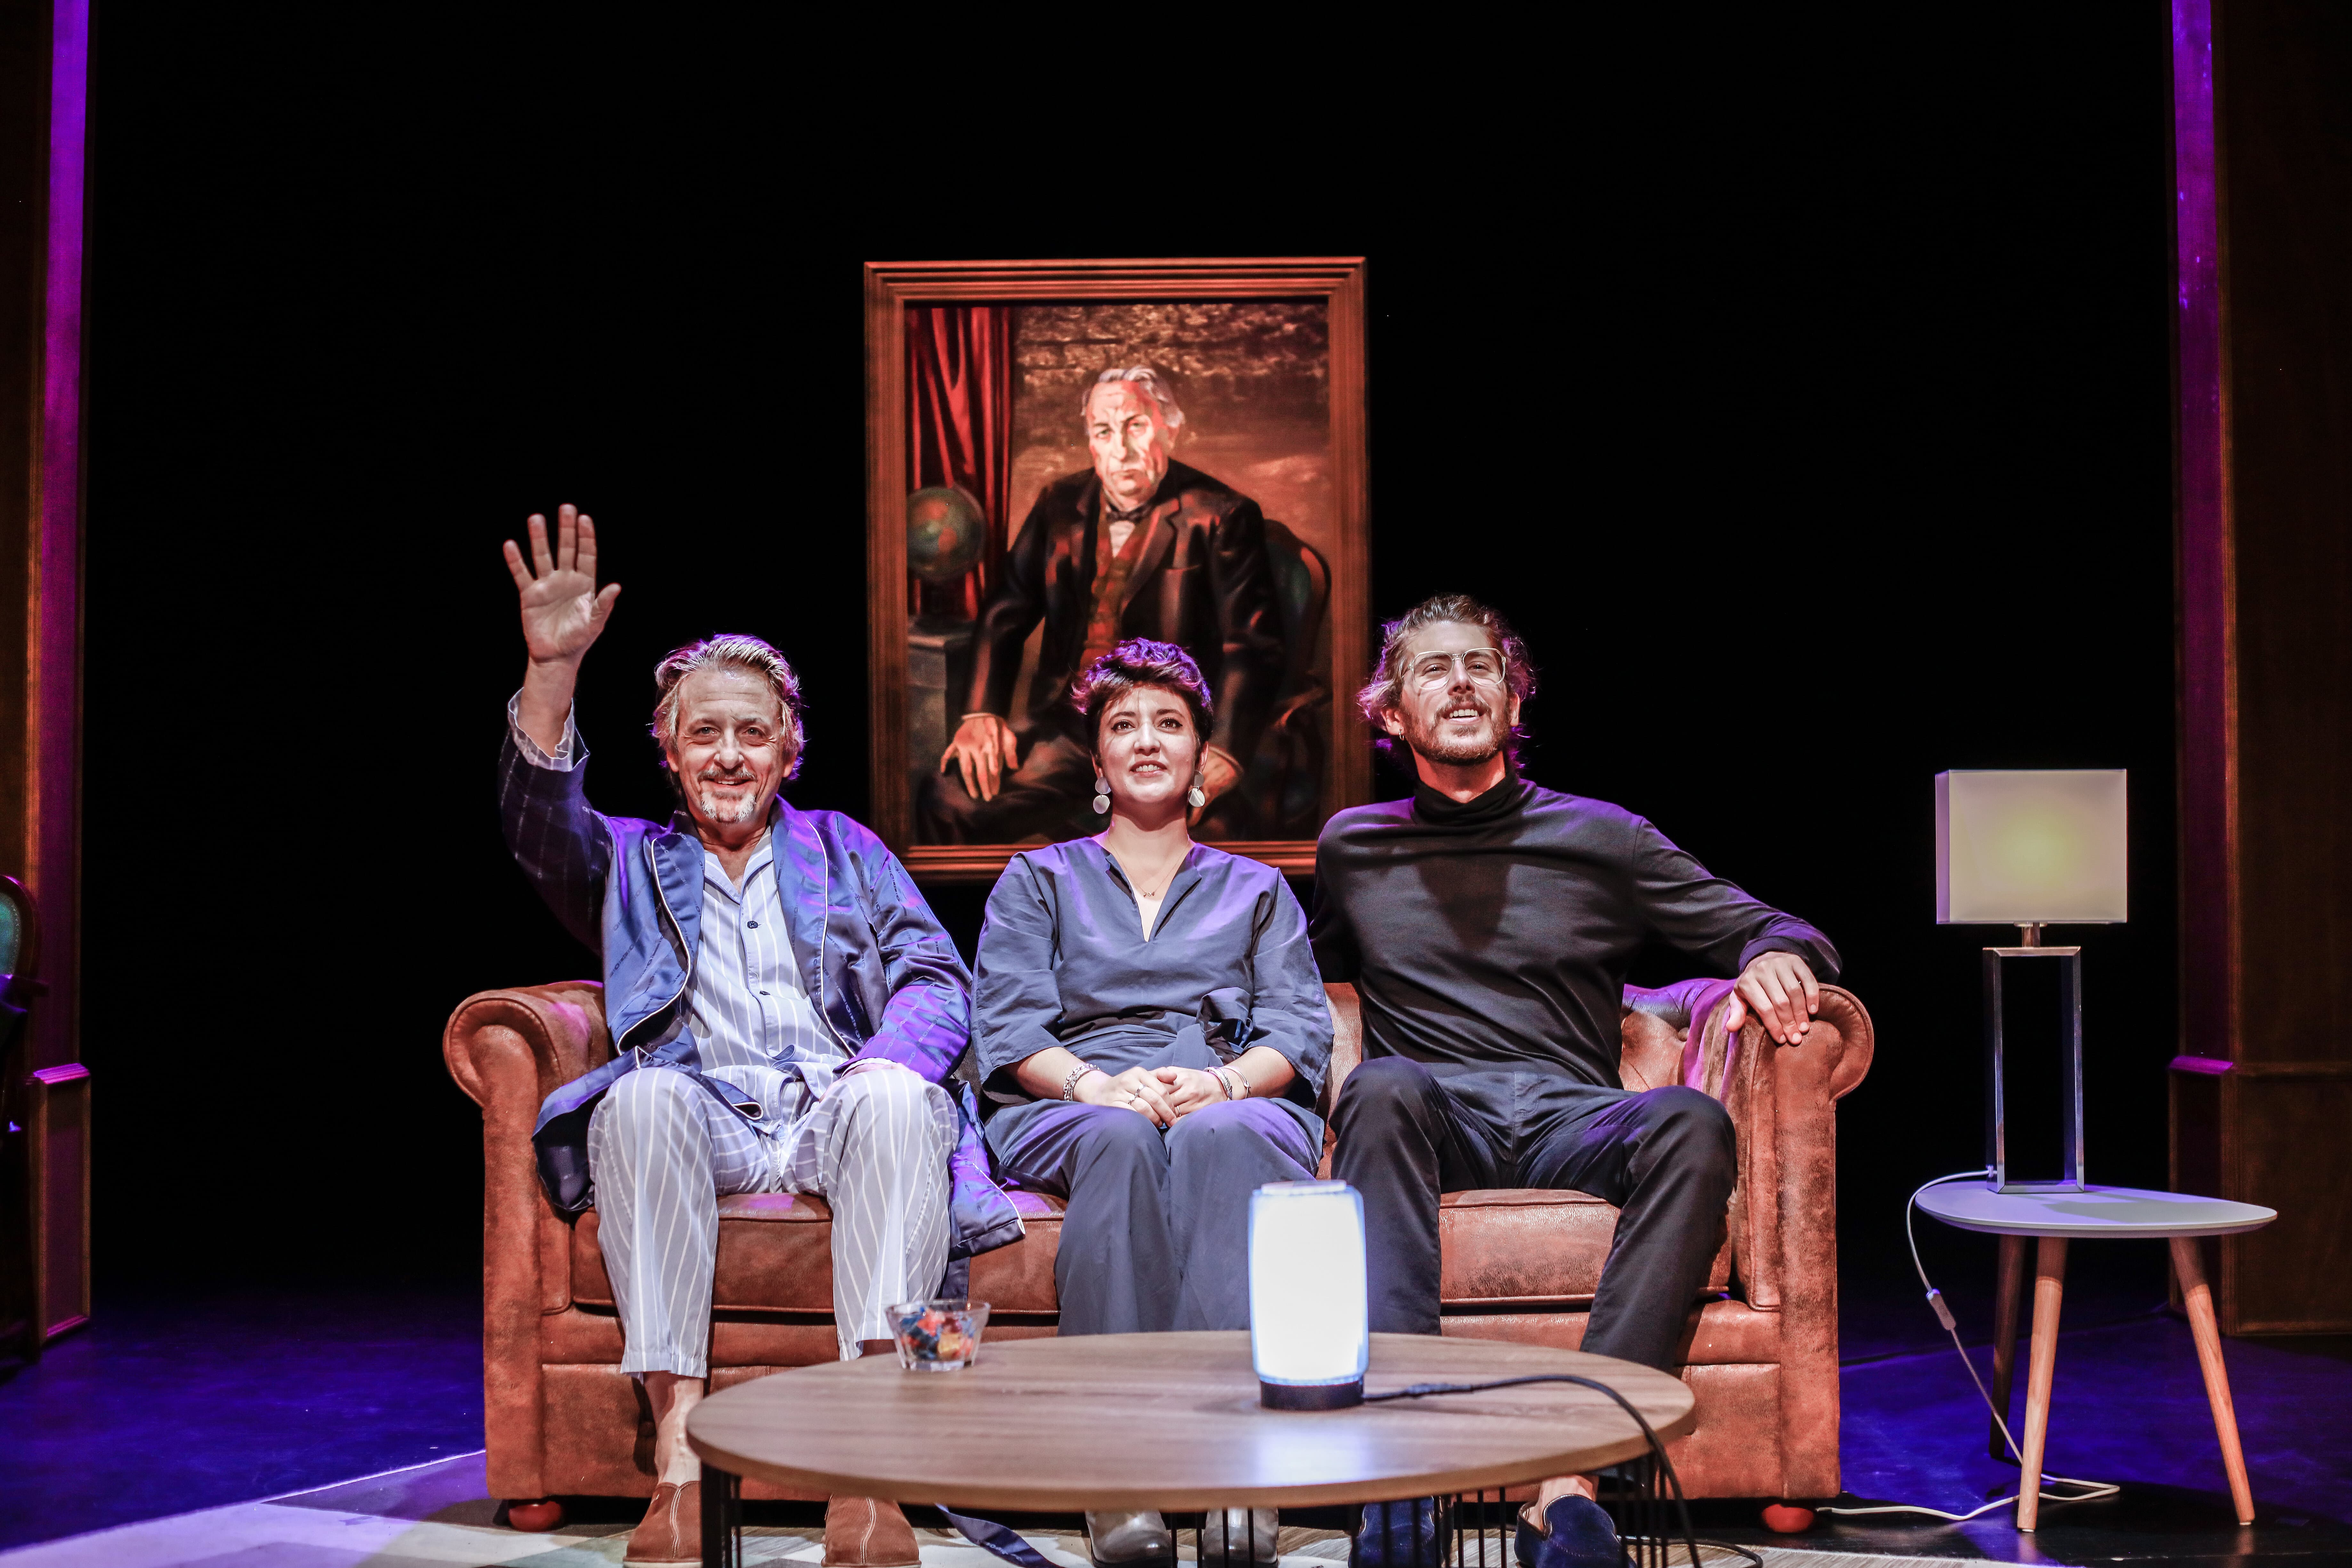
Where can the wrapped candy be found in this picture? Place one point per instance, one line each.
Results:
(939, 1336)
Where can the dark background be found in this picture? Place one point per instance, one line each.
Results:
(1803, 396)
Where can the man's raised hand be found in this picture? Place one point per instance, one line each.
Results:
(562, 610)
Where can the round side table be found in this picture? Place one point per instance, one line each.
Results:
(1167, 1420)
(2055, 1214)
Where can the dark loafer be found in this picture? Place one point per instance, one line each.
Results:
(1581, 1536)
(1400, 1535)
(1131, 1538)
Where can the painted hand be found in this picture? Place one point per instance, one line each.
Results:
(983, 750)
(1219, 772)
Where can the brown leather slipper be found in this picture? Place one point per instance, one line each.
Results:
(866, 1533)
(671, 1532)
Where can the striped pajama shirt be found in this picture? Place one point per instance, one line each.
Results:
(661, 1147)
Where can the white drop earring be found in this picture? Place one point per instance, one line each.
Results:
(1196, 797)
(1102, 796)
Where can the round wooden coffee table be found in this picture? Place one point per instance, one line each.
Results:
(1172, 1422)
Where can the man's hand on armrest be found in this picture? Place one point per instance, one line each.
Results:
(1780, 990)
(563, 612)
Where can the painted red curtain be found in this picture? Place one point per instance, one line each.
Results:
(959, 430)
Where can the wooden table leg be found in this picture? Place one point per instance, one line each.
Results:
(2008, 1291)
(2049, 1287)
(2188, 1263)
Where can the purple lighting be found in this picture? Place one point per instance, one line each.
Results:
(2207, 663)
(53, 738)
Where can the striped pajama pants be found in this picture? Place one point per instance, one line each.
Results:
(661, 1148)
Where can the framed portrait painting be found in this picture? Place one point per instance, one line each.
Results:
(1064, 455)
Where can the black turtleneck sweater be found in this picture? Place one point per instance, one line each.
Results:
(1495, 932)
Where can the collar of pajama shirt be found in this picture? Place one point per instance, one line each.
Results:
(745, 1004)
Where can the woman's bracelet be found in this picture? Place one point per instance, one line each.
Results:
(1070, 1084)
(1229, 1077)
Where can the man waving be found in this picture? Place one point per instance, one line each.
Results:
(784, 1011)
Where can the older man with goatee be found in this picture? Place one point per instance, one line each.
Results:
(1487, 924)
(784, 1012)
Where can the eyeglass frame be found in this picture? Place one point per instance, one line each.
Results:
(1456, 661)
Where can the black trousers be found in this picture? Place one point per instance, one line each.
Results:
(1408, 1131)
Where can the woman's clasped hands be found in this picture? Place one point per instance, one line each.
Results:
(1166, 1095)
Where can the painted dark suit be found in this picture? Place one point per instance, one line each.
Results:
(1196, 575)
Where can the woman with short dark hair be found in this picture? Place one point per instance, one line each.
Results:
(1151, 1035)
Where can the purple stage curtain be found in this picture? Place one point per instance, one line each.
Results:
(959, 430)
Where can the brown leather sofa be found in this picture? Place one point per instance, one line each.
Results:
(1760, 1351)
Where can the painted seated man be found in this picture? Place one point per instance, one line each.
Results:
(1138, 546)
(1487, 924)
(784, 1010)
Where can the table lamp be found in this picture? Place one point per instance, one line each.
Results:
(1310, 1326)
(2032, 850)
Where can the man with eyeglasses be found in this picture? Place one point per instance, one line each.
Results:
(1487, 924)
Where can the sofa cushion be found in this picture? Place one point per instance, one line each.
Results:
(1019, 1278)
(1718, 1333)
(1533, 1246)
(775, 1255)
(1509, 1246)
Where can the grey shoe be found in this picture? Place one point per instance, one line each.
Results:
(1131, 1538)
(1235, 1537)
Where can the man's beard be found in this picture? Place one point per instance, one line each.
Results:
(720, 812)
(1457, 749)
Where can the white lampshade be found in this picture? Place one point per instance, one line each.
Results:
(1309, 1335)
(2029, 848)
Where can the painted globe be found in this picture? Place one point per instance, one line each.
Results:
(946, 532)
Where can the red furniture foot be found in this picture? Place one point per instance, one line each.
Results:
(1787, 1518)
(531, 1517)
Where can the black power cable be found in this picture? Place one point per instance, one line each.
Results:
(1657, 1449)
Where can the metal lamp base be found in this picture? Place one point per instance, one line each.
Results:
(2070, 1062)
(1309, 1395)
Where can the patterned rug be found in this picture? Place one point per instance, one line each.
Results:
(435, 1515)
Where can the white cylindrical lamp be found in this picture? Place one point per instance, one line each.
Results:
(1310, 1321)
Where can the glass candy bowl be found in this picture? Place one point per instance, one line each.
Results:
(939, 1336)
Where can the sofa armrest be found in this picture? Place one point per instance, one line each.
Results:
(507, 1051)
(1346, 1052)
(1346, 1042)
(559, 1029)
(1783, 1101)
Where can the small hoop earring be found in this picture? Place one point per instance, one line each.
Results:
(1194, 797)
(1102, 798)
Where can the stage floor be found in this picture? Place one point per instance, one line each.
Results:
(179, 1413)
(436, 1515)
